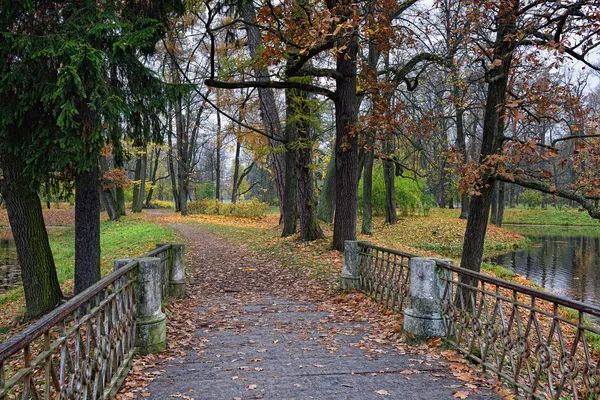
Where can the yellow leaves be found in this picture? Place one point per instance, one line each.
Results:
(461, 394)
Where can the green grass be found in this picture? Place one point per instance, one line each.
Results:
(499, 271)
(557, 231)
(538, 216)
(128, 237)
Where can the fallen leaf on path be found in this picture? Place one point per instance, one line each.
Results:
(382, 392)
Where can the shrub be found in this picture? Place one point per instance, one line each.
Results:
(531, 198)
(206, 191)
(246, 209)
(163, 204)
(409, 197)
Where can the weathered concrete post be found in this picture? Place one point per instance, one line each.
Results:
(151, 334)
(177, 272)
(423, 314)
(349, 275)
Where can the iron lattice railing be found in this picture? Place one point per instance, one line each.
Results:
(82, 349)
(540, 344)
(384, 275)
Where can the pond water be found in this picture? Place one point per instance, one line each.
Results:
(563, 260)
(10, 273)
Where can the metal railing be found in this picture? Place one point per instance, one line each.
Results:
(540, 344)
(83, 349)
(383, 275)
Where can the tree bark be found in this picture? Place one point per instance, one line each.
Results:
(119, 163)
(346, 147)
(391, 216)
(367, 221)
(493, 128)
(501, 201)
(173, 175)
(218, 161)
(137, 177)
(153, 178)
(24, 209)
(494, 212)
(182, 159)
(290, 204)
(326, 204)
(268, 107)
(307, 204)
(87, 229)
(236, 172)
(106, 194)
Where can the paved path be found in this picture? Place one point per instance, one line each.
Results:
(252, 329)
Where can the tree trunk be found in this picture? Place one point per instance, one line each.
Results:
(153, 179)
(137, 177)
(494, 213)
(119, 163)
(268, 107)
(290, 199)
(390, 191)
(218, 161)
(173, 175)
(326, 205)
(144, 168)
(24, 209)
(87, 229)
(236, 172)
(461, 141)
(367, 221)
(307, 204)
(493, 128)
(346, 147)
(106, 194)
(501, 201)
(182, 159)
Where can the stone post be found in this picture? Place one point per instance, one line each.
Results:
(423, 314)
(151, 333)
(349, 275)
(177, 272)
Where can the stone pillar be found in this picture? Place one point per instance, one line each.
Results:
(349, 275)
(423, 314)
(177, 272)
(151, 333)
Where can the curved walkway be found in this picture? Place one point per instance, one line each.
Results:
(253, 329)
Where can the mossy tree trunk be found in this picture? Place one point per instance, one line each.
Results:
(390, 190)
(367, 221)
(290, 192)
(24, 209)
(326, 205)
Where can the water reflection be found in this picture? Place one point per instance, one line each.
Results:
(10, 273)
(566, 261)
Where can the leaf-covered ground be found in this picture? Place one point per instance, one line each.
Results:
(256, 326)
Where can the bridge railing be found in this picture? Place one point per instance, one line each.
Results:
(83, 348)
(541, 345)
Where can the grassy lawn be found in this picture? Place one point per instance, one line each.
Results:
(568, 217)
(427, 236)
(131, 236)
